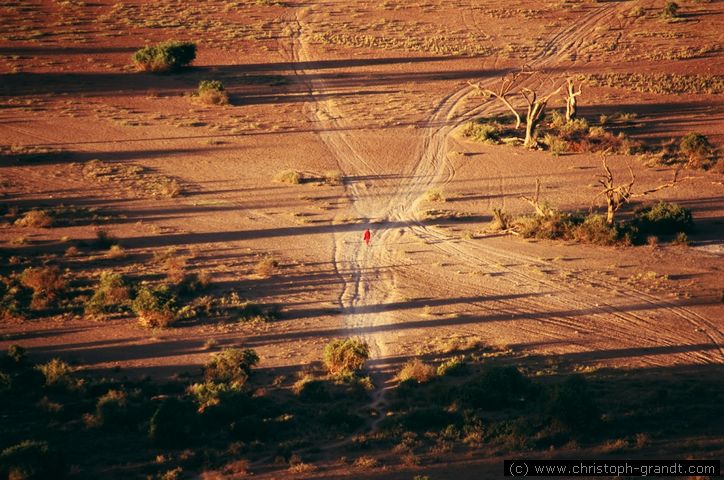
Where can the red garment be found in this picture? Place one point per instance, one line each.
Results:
(367, 237)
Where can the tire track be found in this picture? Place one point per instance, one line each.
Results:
(434, 149)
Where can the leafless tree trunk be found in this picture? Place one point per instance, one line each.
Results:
(618, 195)
(541, 209)
(536, 111)
(571, 102)
(507, 82)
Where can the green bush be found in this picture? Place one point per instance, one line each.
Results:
(155, 307)
(697, 149)
(212, 92)
(663, 218)
(232, 366)
(345, 356)
(597, 231)
(165, 57)
(556, 225)
(110, 295)
(31, 460)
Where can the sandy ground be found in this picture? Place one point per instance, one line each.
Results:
(386, 116)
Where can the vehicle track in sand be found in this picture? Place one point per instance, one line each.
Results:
(613, 318)
(615, 314)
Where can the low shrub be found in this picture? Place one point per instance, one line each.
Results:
(556, 145)
(14, 299)
(112, 410)
(594, 229)
(663, 218)
(266, 267)
(571, 404)
(31, 460)
(172, 423)
(429, 419)
(231, 366)
(452, 366)
(434, 195)
(416, 370)
(212, 92)
(311, 389)
(16, 353)
(289, 176)
(58, 373)
(155, 307)
(484, 132)
(670, 11)
(333, 177)
(110, 296)
(501, 220)
(47, 284)
(697, 150)
(496, 388)
(165, 57)
(235, 308)
(556, 225)
(35, 219)
(346, 356)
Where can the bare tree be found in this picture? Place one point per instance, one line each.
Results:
(571, 102)
(541, 209)
(618, 195)
(536, 111)
(507, 83)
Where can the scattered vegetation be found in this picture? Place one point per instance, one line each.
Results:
(236, 414)
(134, 178)
(549, 223)
(165, 57)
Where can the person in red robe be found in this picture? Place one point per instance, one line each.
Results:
(367, 236)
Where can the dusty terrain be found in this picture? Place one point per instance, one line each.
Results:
(377, 91)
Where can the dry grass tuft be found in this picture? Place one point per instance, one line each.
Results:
(416, 370)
